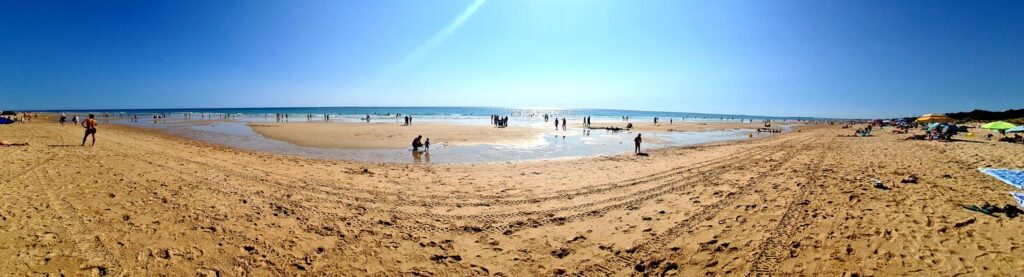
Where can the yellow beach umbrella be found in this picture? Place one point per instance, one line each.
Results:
(934, 117)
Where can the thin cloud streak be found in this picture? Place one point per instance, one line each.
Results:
(427, 47)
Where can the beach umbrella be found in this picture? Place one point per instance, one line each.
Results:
(934, 117)
(1018, 129)
(998, 125)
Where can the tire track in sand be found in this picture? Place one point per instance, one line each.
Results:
(776, 247)
(617, 264)
(630, 200)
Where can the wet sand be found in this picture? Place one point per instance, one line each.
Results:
(799, 203)
(391, 135)
(683, 126)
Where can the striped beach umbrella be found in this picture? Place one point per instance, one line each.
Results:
(934, 117)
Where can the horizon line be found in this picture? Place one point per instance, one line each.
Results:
(401, 106)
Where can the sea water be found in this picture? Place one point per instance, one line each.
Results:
(436, 112)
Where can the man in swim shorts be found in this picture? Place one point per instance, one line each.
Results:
(90, 129)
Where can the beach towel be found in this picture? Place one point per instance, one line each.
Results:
(1019, 196)
(5, 121)
(1013, 177)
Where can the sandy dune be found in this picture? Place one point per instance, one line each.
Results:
(795, 204)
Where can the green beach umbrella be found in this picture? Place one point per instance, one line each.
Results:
(998, 125)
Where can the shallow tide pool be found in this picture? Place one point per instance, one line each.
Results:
(573, 143)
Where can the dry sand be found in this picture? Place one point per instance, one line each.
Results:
(391, 135)
(801, 203)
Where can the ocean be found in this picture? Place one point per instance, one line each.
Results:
(454, 112)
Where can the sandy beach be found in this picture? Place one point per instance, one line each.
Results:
(390, 135)
(566, 138)
(800, 203)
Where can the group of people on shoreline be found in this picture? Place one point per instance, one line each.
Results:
(282, 117)
(564, 125)
(64, 119)
(500, 121)
(326, 117)
(23, 117)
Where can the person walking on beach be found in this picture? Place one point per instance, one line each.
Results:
(556, 124)
(63, 119)
(637, 142)
(90, 129)
(563, 124)
(426, 145)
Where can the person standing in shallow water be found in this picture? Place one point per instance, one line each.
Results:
(556, 124)
(563, 124)
(637, 141)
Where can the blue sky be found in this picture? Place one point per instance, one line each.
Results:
(786, 58)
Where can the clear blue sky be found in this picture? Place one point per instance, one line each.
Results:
(790, 58)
